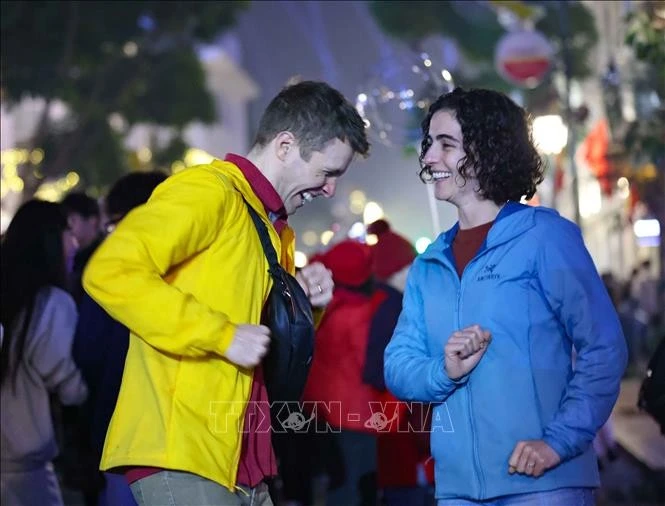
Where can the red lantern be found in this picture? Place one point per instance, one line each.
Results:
(523, 58)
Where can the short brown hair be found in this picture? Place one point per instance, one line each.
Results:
(315, 113)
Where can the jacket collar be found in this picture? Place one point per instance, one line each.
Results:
(233, 173)
(286, 236)
(513, 220)
(263, 189)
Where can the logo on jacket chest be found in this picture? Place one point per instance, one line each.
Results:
(487, 273)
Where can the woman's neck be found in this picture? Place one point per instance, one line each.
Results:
(477, 213)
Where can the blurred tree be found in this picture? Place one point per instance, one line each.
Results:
(131, 61)
(476, 29)
(646, 36)
(644, 140)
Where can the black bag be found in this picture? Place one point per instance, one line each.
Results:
(288, 314)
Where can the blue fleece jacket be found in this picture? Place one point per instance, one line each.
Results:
(534, 286)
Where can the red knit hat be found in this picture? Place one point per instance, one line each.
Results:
(392, 252)
(349, 261)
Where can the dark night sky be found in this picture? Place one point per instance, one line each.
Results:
(338, 42)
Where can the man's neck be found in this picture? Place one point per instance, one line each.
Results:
(268, 170)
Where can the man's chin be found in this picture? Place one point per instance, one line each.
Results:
(292, 205)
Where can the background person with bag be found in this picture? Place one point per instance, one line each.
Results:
(187, 274)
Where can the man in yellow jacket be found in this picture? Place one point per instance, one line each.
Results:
(186, 273)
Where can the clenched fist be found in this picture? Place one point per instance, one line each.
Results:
(317, 282)
(464, 350)
(532, 458)
(249, 346)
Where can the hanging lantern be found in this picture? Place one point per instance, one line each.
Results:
(523, 57)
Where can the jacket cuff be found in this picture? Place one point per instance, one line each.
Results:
(226, 338)
(440, 380)
(558, 448)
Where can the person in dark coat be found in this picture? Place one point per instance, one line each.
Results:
(101, 343)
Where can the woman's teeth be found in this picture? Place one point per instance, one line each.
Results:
(437, 175)
(307, 196)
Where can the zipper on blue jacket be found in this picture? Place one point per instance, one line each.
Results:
(476, 457)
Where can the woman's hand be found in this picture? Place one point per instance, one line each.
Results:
(532, 458)
(464, 350)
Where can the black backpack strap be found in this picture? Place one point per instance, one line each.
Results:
(268, 248)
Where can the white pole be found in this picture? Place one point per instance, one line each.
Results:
(434, 212)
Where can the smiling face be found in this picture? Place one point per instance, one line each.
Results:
(445, 154)
(301, 181)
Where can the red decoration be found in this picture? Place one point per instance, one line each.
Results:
(594, 151)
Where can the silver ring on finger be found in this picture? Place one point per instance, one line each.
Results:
(319, 288)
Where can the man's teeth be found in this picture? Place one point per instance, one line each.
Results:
(307, 196)
(441, 175)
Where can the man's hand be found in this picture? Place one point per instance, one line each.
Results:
(464, 350)
(317, 282)
(250, 344)
(532, 458)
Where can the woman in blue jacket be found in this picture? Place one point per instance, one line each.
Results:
(492, 313)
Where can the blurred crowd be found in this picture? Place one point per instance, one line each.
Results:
(62, 363)
(639, 301)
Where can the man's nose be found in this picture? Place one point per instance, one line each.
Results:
(329, 188)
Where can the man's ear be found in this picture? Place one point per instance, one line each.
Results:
(284, 142)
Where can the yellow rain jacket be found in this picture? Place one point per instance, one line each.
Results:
(180, 272)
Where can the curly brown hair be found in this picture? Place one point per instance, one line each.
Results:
(497, 141)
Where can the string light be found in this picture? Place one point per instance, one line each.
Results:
(12, 182)
(310, 238)
(193, 156)
(326, 237)
(144, 155)
(357, 200)
(372, 212)
(300, 259)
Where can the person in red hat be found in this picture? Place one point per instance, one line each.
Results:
(393, 255)
(405, 470)
(336, 377)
